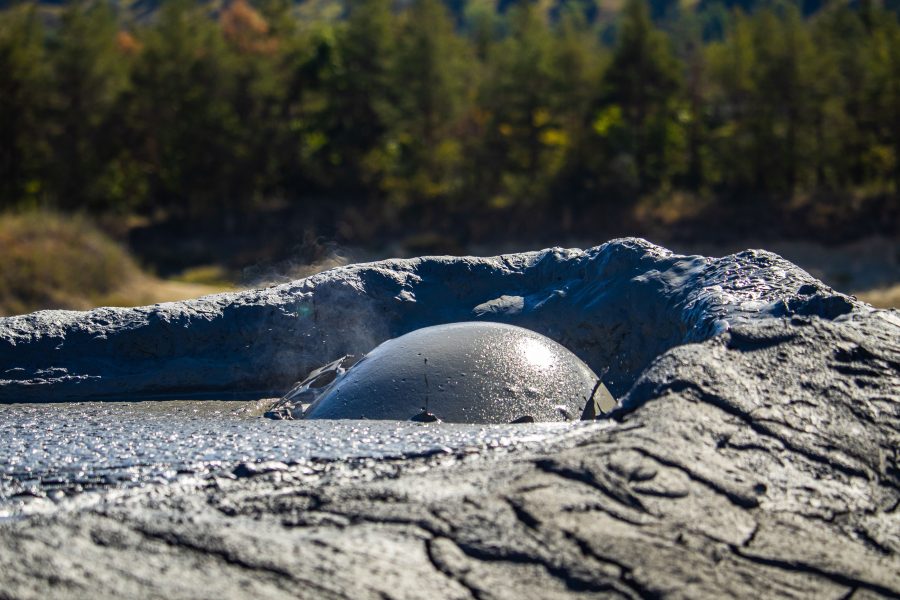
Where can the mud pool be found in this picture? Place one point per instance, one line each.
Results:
(54, 451)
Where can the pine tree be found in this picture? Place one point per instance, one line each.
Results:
(90, 74)
(688, 40)
(838, 34)
(481, 23)
(644, 79)
(359, 97)
(430, 82)
(24, 99)
(257, 100)
(735, 126)
(784, 84)
(183, 113)
(516, 97)
(578, 62)
(882, 98)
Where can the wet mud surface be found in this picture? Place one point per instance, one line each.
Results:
(55, 451)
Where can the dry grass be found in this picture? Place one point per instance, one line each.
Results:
(49, 260)
(887, 297)
(671, 209)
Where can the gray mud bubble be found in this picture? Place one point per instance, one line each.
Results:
(469, 372)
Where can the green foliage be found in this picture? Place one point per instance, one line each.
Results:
(354, 111)
(24, 102)
(183, 113)
(644, 80)
(516, 100)
(882, 99)
(421, 115)
(430, 80)
(89, 77)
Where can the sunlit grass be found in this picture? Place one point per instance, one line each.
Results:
(885, 297)
(48, 260)
(210, 275)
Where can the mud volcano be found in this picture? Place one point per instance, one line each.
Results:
(753, 453)
(463, 373)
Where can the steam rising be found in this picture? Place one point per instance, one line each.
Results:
(313, 255)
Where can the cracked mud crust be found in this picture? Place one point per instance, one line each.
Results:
(760, 463)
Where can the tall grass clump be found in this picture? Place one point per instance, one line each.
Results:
(48, 260)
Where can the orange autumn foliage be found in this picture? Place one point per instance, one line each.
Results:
(246, 29)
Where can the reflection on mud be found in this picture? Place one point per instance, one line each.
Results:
(57, 450)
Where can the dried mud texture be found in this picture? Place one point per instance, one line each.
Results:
(760, 463)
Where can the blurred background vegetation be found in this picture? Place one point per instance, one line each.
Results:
(235, 143)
